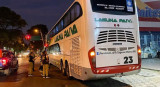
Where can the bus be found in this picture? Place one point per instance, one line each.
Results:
(96, 39)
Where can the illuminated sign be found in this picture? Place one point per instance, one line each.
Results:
(129, 5)
(148, 12)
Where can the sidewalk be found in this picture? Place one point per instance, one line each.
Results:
(151, 63)
(146, 78)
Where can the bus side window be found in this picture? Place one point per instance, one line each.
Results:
(62, 24)
(73, 14)
(54, 31)
(78, 10)
(51, 34)
(55, 49)
(57, 30)
(67, 19)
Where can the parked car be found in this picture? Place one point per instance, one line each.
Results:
(8, 62)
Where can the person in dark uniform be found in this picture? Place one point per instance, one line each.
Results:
(41, 64)
(45, 61)
(31, 60)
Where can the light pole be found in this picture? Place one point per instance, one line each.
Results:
(39, 30)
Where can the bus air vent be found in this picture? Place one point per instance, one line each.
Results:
(115, 36)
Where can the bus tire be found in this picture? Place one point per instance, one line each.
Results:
(67, 70)
(61, 67)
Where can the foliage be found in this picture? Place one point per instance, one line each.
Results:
(12, 39)
(10, 20)
(40, 27)
(34, 45)
(10, 34)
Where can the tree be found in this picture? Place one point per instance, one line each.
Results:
(12, 39)
(4, 37)
(10, 34)
(41, 28)
(10, 20)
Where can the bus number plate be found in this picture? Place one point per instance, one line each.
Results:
(128, 60)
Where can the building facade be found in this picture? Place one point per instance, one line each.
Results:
(149, 24)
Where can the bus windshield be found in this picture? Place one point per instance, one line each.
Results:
(117, 7)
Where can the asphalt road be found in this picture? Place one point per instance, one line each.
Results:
(21, 79)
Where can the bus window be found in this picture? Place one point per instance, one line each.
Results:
(57, 29)
(78, 10)
(57, 48)
(118, 7)
(73, 12)
(62, 24)
(54, 31)
(67, 19)
(54, 48)
(51, 35)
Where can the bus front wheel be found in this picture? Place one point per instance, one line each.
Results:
(61, 67)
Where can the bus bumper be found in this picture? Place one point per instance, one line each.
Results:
(89, 75)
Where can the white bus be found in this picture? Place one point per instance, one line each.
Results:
(96, 39)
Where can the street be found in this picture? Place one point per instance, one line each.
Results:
(86, 39)
(146, 78)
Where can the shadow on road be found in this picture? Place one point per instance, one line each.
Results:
(108, 82)
(16, 76)
(20, 78)
(13, 77)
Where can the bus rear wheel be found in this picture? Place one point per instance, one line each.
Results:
(67, 70)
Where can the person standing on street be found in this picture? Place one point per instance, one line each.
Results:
(41, 64)
(45, 61)
(31, 60)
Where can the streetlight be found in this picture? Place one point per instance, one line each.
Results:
(36, 30)
(39, 30)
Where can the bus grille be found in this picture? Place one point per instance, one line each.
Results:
(115, 36)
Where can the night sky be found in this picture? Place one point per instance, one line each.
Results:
(45, 12)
